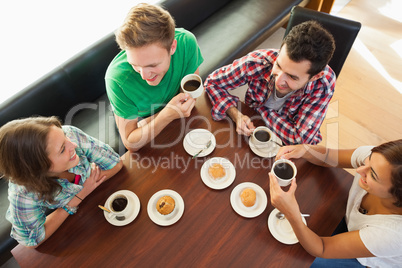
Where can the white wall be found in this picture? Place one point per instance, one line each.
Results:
(39, 35)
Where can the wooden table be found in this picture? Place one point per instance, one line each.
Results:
(210, 233)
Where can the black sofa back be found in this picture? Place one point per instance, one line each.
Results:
(77, 81)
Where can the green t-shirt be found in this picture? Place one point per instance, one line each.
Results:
(132, 97)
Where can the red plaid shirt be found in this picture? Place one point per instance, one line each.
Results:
(300, 118)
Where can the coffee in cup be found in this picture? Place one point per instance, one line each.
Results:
(119, 203)
(192, 84)
(261, 138)
(285, 171)
(120, 206)
(262, 135)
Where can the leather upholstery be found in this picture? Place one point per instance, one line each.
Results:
(343, 30)
(75, 91)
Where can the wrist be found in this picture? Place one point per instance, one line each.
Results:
(233, 113)
(70, 210)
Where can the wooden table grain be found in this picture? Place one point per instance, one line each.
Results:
(210, 233)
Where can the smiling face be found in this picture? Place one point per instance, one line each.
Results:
(152, 61)
(376, 176)
(289, 75)
(61, 151)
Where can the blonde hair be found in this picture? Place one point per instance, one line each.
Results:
(146, 24)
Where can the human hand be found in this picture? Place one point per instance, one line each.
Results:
(292, 152)
(285, 202)
(93, 181)
(179, 106)
(244, 126)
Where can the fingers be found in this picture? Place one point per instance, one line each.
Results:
(293, 187)
(286, 152)
(101, 179)
(273, 184)
(245, 126)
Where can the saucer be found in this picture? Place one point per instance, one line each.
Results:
(136, 209)
(221, 183)
(174, 216)
(260, 202)
(196, 140)
(281, 230)
(269, 152)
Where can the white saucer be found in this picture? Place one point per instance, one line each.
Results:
(281, 229)
(271, 151)
(174, 216)
(196, 140)
(132, 216)
(240, 208)
(221, 183)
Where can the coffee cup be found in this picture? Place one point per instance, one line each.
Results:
(285, 171)
(192, 84)
(261, 138)
(120, 206)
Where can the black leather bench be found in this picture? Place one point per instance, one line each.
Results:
(75, 91)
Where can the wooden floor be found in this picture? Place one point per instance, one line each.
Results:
(367, 104)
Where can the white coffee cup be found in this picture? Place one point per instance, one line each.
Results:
(261, 138)
(120, 205)
(285, 171)
(194, 85)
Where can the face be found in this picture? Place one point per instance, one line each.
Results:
(289, 75)
(376, 176)
(152, 61)
(61, 151)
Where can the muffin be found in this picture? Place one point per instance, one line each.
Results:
(165, 205)
(248, 197)
(216, 171)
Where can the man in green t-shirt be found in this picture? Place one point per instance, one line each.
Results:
(143, 80)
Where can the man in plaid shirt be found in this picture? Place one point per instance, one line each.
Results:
(290, 87)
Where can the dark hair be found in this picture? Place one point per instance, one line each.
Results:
(23, 156)
(310, 41)
(392, 151)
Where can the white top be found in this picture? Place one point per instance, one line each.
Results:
(381, 234)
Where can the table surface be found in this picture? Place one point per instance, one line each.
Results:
(210, 233)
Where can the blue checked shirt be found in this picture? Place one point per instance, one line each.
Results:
(27, 212)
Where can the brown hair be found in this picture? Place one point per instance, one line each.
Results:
(146, 24)
(23, 156)
(392, 151)
(310, 41)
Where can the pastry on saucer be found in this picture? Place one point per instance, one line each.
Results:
(248, 197)
(216, 171)
(165, 205)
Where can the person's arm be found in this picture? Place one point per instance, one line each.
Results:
(244, 126)
(221, 81)
(318, 155)
(55, 219)
(345, 245)
(135, 136)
